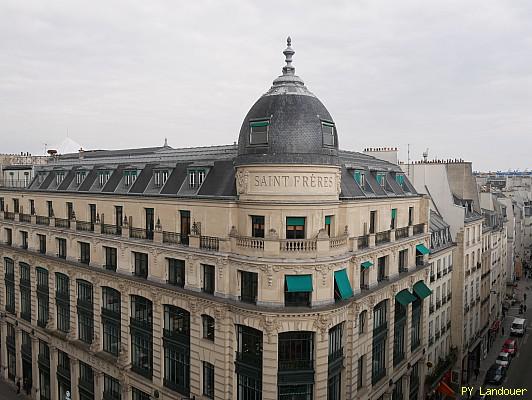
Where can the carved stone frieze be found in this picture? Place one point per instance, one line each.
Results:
(270, 325)
(242, 178)
(322, 325)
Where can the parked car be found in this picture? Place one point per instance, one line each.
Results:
(518, 327)
(510, 346)
(504, 359)
(495, 375)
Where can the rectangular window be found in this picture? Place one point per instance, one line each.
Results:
(141, 264)
(139, 395)
(381, 179)
(157, 178)
(403, 260)
(400, 179)
(208, 327)
(24, 240)
(84, 253)
(295, 227)
(248, 286)
(9, 236)
(32, 207)
(2, 204)
(257, 226)
(328, 221)
(25, 303)
(110, 258)
(393, 218)
(372, 221)
(177, 367)
(258, 133)
(50, 209)
(80, 177)
(111, 336)
(111, 388)
(208, 278)
(410, 216)
(176, 272)
(16, 206)
(328, 129)
(208, 380)
(142, 353)
(381, 268)
(360, 376)
(61, 248)
(42, 243)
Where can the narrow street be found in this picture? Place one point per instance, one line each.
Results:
(519, 376)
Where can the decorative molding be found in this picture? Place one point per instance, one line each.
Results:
(242, 178)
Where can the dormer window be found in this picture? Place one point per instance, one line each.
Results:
(160, 178)
(400, 179)
(196, 177)
(40, 177)
(360, 178)
(130, 177)
(328, 128)
(381, 178)
(103, 177)
(258, 133)
(80, 176)
(59, 177)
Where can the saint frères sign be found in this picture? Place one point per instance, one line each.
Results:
(258, 182)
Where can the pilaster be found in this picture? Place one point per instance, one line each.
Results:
(3, 348)
(322, 364)
(270, 365)
(74, 378)
(53, 373)
(35, 368)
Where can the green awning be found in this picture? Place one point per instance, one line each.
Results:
(342, 281)
(328, 220)
(299, 283)
(260, 123)
(405, 297)
(295, 221)
(422, 290)
(366, 264)
(394, 213)
(422, 249)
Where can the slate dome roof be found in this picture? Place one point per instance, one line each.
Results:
(298, 124)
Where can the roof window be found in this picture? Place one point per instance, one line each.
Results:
(258, 132)
(327, 129)
(160, 177)
(196, 177)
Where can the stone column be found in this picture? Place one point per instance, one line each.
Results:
(35, 368)
(52, 309)
(158, 354)
(96, 345)
(408, 331)
(33, 296)
(53, 373)
(124, 358)
(126, 390)
(225, 335)
(18, 355)
(3, 347)
(73, 331)
(17, 286)
(74, 378)
(195, 348)
(390, 336)
(98, 385)
(270, 364)
(406, 385)
(322, 364)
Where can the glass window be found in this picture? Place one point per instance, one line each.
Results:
(42, 279)
(259, 132)
(208, 380)
(61, 248)
(208, 278)
(248, 287)
(208, 327)
(84, 253)
(111, 317)
(110, 258)
(176, 321)
(257, 226)
(176, 272)
(42, 243)
(295, 227)
(328, 129)
(141, 264)
(111, 388)
(139, 395)
(296, 351)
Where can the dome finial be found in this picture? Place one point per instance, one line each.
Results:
(288, 69)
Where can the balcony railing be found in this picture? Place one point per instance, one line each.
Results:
(84, 226)
(25, 218)
(209, 243)
(9, 215)
(401, 233)
(42, 220)
(432, 278)
(298, 245)
(250, 242)
(431, 308)
(300, 365)
(438, 275)
(438, 304)
(363, 242)
(111, 229)
(62, 223)
(419, 229)
(382, 237)
(139, 233)
(175, 238)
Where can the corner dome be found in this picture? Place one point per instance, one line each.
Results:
(288, 125)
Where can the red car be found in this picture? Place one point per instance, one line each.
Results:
(510, 346)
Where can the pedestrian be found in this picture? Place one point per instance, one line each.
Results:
(477, 371)
(18, 386)
(502, 329)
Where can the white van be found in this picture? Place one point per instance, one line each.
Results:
(518, 327)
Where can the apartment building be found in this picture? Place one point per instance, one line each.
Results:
(276, 268)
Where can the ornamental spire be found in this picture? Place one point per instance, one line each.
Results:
(288, 69)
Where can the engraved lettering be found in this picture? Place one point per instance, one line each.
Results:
(296, 180)
(305, 181)
(257, 183)
(320, 181)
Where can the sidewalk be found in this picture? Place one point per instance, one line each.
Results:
(512, 313)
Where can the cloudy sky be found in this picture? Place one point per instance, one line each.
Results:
(451, 76)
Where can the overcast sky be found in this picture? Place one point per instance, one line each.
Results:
(451, 76)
